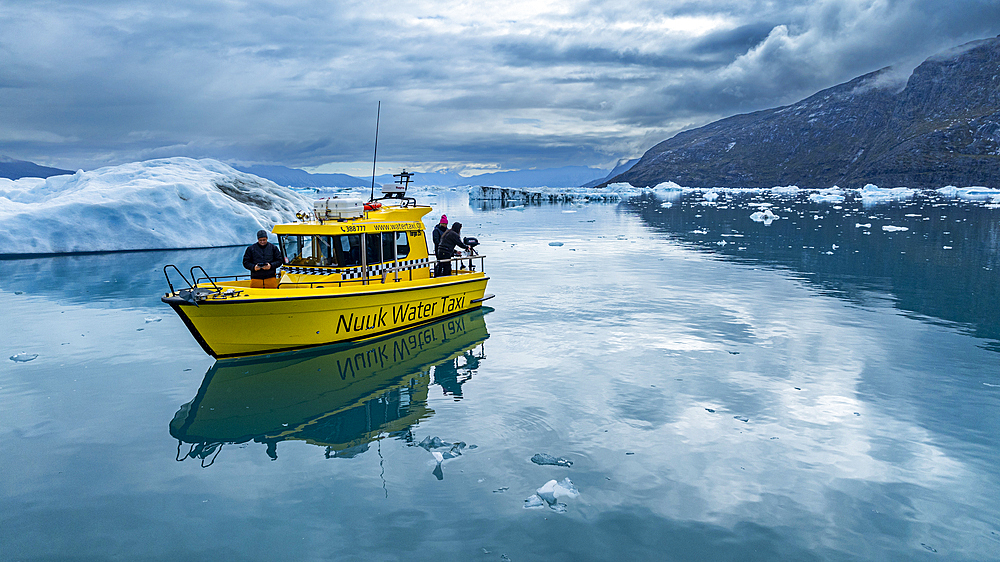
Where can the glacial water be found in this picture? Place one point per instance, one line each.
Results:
(691, 384)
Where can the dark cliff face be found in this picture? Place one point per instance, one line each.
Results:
(942, 128)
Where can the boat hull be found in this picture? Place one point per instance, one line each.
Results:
(262, 322)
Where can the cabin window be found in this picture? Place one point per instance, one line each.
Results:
(388, 248)
(291, 247)
(348, 247)
(325, 254)
(308, 250)
(373, 248)
(402, 245)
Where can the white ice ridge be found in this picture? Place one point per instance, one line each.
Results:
(157, 204)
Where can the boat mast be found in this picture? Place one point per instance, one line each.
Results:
(378, 114)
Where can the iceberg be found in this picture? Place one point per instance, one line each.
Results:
(169, 203)
(829, 195)
(872, 194)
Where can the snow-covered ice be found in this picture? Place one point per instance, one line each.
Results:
(157, 204)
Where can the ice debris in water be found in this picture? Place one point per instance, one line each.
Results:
(765, 217)
(555, 243)
(152, 319)
(451, 451)
(891, 228)
(831, 195)
(711, 195)
(546, 459)
(871, 194)
(23, 357)
(549, 494)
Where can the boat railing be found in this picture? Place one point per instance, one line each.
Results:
(383, 276)
(463, 259)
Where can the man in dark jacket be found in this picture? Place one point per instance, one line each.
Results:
(263, 260)
(436, 234)
(446, 249)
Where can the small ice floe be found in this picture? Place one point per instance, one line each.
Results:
(872, 194)
(555, 243)
(546, 459)
(859, 225)
(23, 357)
(549, 494)
(891, 228)
(788, 190)
(829, 195)
(667, 204)
(441, 451)
(948, 191)
(151, 319)
(711, 195)
(977, 193)
(766, 217)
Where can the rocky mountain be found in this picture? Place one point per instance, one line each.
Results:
(941, 127)
(15, 169)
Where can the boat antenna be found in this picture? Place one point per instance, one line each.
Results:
(378, 114)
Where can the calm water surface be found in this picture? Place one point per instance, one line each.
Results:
(807, 390)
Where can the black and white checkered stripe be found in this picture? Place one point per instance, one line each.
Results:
(353, 272)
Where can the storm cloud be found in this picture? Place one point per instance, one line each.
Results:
(463, 86)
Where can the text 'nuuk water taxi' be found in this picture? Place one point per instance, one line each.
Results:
(352, 271)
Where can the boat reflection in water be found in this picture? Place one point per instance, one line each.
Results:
(341, 397)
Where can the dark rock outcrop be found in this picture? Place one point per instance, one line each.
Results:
(942, 128)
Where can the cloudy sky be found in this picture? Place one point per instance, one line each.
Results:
(467, 86)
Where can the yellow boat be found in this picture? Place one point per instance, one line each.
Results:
(340, 397)
(353, 271)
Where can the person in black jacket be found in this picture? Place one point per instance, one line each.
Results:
(436, 234)
(263, 260)
(446, 249)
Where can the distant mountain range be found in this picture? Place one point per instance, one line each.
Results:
(16, 169)
(942, 128)
(567, 176)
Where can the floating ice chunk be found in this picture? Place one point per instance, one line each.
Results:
(555, 243)
(546, 459)
(711, 195)
(667, 204)
(977, 193)
(859, 225)
(829, 195)
(766, 217)
(872, 194)
(453, 449)
(152, 319)
(552, 490)
(891, 228)
(785, 190)
(23, 357)
(534, 502)
(668, 186)
(948, 191)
